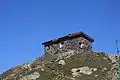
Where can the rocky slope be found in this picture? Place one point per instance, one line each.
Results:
(68, 66)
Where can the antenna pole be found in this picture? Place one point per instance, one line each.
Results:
(117, 46)
(118, 60)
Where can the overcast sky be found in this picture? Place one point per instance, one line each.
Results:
(25, 24)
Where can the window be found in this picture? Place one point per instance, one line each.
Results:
(47, 47)
(60, 45)
(82, 45)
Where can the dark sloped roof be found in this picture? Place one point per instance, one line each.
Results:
(77, 34)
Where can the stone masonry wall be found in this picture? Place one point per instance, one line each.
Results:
(79, 44)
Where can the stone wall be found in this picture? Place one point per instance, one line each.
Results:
(79, 44)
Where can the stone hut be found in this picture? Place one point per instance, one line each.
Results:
(78, 42)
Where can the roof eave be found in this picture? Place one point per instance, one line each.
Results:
(69, 35)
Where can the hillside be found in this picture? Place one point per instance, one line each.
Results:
(70, 66)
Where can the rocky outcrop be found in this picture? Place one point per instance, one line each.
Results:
(70, 66)
(83, 70)
(33, 76)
